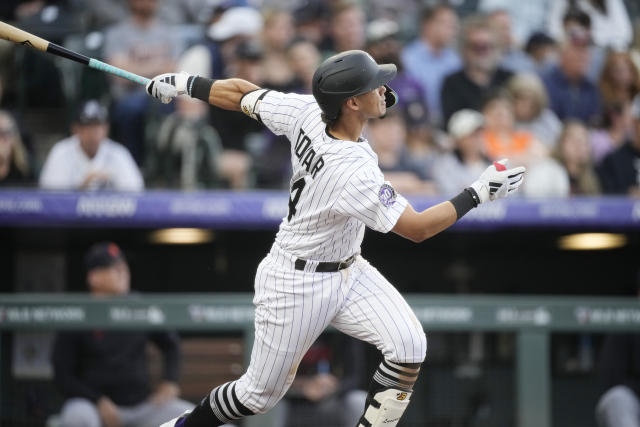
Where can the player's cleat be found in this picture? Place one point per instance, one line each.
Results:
(385, 408)
(176, 422)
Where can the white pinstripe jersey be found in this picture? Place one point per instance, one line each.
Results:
(336, 188)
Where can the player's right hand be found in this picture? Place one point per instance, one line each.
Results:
(167, 86)
(497, 181)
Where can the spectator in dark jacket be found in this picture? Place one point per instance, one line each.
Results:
(480, 75)
(103, 374)
(572, 94)
(620, 170)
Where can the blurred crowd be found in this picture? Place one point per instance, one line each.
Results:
(552, 85)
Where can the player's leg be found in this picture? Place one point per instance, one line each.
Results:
(292, 309)
(374, 311)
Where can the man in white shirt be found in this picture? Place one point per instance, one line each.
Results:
(88, 160)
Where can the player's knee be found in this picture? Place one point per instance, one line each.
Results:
(412, 347)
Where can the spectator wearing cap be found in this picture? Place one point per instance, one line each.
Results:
(15, 169)
(480, 75)
(453, 170)
(619, 172)
(88, 159)
(577, 29)
(103, 374)
(431, 57)
(542, 50)
(572, 94)
(226, 29)
(384, 47)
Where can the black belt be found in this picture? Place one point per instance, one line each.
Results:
(327, 267)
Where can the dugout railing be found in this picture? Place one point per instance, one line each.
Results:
(533, 319)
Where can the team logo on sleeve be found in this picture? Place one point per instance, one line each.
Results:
(387, 194)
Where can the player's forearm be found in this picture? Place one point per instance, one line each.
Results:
(435, 219)
(419, 226)
(227, 93)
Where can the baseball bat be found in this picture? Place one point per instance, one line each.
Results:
(16, 35)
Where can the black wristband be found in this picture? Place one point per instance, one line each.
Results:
(464, 202)
(199, 87)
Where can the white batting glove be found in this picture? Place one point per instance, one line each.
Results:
(167, 86)
(498, 181)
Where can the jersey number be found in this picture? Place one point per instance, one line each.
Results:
(297, 186)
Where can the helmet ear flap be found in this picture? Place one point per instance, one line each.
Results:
(390, 96)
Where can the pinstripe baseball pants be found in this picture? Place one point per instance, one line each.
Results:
(294, 307)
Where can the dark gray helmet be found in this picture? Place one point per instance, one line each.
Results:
(349, 74)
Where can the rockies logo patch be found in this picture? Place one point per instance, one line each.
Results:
(387, 195)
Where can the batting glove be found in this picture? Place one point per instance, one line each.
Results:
(167, 86)
(498, 181)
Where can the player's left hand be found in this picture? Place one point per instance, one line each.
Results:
(167, 86)
(497, 181)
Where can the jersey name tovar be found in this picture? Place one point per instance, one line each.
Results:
(306, 155)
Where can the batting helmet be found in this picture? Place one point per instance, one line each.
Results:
(350, 74)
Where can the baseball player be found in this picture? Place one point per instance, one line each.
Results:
(314, 275)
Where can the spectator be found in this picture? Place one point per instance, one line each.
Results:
(347, 27)
(613, 132)
(577, 27)
(619, 172)
(620, 79)
(277, 33)
(88, 160)
(326, 391)
(384, 47)
(574, 153)
(241, 135)
(530, 108)
(103, 374)
(480, 75)
(311, 23)
(143, 45)
(527, 16)
(453, 170)
(572, 94)
(513, 58)
(501, 138)
(187, 152)
(15, 167)
(303, 58)
(619, 375)
(388, 139)
(542, 50)
(209, 57)
(611, 23)
(432, 51)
